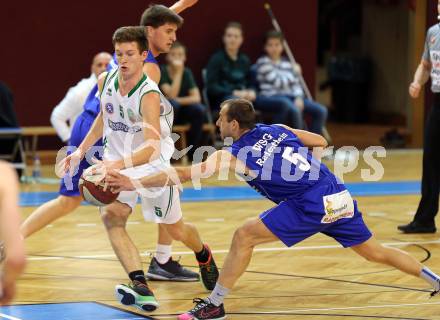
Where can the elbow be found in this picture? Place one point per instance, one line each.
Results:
(54, 118)
(425, 65)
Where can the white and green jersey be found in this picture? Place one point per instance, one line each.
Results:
(122, 116)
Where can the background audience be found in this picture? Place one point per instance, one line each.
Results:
(178, 85)
(280, 91)
(228, 70)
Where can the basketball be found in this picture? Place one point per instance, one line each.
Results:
(94, 193)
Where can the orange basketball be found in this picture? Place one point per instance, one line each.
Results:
(94, 193)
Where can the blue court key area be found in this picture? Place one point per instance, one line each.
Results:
(67, 311)
(247, 193)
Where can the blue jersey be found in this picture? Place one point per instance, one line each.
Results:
(284, 167)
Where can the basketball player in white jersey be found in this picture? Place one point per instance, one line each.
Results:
(136, 122)
(161, 24)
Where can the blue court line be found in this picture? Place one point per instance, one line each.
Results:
(68, 311)
(247, 193)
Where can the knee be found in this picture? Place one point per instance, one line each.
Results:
(113, 218)
(199, 109)
(68, 204)
(243, 236)
(177, 232)
(323, 113)
(285, 105)
(378, 256)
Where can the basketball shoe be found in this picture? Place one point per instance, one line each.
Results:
(209, 271)
(204, 310)
(136, 294)
(171, 270)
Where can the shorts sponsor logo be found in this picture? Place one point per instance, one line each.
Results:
(337, 206)
(109, 108)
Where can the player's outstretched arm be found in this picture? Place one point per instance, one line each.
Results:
(97, 128)
(182, 5)
(69, 163)
(10, 232)
(219, 160)
(309, 139)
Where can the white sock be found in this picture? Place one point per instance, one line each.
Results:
(218, 294)
(163, 253)
(431, 278)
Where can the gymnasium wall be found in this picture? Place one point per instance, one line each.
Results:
(48, 45)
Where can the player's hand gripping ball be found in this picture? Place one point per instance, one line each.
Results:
(94, 190)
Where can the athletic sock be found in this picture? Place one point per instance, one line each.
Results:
(163, 253)
(138, 275)
(218, 294)
(203, 256)
(431, 278)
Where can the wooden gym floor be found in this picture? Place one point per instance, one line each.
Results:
(72, 261)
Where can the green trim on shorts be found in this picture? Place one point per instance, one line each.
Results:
(170, 201)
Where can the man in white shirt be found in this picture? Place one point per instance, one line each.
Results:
(65, 113)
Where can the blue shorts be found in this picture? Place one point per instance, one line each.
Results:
(326, 208)
(69, 185)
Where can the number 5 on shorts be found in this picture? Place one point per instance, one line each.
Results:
(158, 212)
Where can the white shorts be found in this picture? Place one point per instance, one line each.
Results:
(161, 204)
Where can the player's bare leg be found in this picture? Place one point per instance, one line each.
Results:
(245, 238)
(49, 212)
(252, 233)
(162, 266)
(188, 234)
(137, 293)
(376, 252)
(115, 216)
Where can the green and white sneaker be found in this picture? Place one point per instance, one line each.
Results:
(136, 294)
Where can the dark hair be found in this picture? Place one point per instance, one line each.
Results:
(233, 24)
(242, 111)
(178, 44)
(273, 34)
(157, 15)
(131, 34)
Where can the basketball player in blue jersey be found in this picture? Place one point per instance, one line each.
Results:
(160, 39)
(274, 160)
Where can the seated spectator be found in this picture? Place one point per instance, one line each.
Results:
(178, 85)
(280, 90)
(228, 70)
(65, 113)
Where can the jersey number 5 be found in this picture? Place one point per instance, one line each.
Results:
(296, 159)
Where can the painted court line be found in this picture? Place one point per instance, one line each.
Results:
(2, 315)
(44, 258)
(298, 248)
(356, 308)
